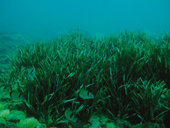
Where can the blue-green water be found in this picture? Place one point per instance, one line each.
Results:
(80, 82)
(48, 18)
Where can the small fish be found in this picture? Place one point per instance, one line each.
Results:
(15, 95)
(70, 116)
(32, 73)
(85, 94)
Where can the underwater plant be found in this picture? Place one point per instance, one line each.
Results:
(66, 81)
(147, 101)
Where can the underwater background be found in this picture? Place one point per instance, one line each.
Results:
(46, 19)
(84, 63)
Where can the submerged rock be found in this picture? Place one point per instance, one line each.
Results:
(16, 115)
(28, 123)
(4, 113)
(2, 122)
(111, 125)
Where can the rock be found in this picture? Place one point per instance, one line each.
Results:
(4, 113)
(16, 115)
(28, 123)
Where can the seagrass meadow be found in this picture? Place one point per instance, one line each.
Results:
(77, 81)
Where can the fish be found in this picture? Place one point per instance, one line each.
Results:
(85, 94)
(15, 95)
(70, 115)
